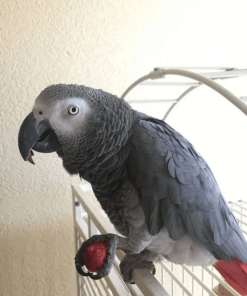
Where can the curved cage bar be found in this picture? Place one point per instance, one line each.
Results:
(207, 78)
(178, 100)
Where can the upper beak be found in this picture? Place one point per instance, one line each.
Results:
(38, 136)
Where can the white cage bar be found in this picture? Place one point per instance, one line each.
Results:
(158, 77)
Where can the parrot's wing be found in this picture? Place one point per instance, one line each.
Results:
(179, 191)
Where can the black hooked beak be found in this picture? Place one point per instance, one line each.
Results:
(38, 136)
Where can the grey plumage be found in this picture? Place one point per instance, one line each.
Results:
(185, 195)
(148, 178)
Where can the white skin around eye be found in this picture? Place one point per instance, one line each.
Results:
(57, 113)
(62, 121)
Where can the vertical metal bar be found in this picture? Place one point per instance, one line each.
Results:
(88, 287)
(108, 292)
(92, 229)
(74, 205)
(82, 285)
(172, 281)
(183, 277)
(93, 287)
(193, 281)
(106, 287)
(100, 287)
(162, 275)
(203, 280)
(86, 291)
(212, 281)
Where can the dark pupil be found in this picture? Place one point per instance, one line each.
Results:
(73, 109)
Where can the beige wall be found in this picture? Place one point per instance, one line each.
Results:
(104, 44)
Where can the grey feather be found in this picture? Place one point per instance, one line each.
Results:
(199, 210)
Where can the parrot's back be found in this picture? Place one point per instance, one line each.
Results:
(178, 191)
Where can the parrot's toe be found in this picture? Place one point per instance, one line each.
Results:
(110, 241)
(132, 261)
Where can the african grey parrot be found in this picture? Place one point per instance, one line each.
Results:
(158, 192)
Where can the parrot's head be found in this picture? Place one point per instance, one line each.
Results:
(71, 119)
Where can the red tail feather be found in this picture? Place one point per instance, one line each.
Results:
(235, 274)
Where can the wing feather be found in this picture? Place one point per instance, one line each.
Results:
(178, 190)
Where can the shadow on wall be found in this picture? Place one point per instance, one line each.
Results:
(37, 249)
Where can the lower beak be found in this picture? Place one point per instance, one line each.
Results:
(38, 136)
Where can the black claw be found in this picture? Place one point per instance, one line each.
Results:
(95, 276)
(79, 263)
(81, 272)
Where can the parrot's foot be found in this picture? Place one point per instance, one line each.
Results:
(111, 242)
(132, 261)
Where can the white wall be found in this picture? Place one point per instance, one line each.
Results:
(104, 44)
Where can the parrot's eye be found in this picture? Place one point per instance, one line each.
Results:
(73, 110)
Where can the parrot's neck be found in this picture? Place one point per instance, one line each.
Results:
(99, 154)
